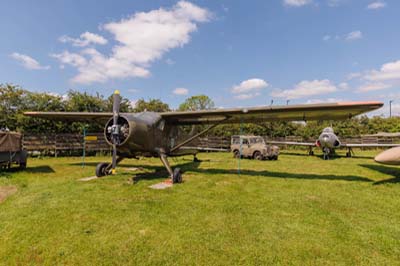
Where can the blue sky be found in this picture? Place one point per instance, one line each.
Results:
(240, 53)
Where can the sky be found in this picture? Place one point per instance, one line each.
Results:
(239, 53)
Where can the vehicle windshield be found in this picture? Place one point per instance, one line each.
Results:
(257, 140)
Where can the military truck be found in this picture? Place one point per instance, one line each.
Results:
(253, 147)
(11, 150)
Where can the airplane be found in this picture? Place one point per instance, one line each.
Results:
(152, 134)
(328, 141)
(390, 156)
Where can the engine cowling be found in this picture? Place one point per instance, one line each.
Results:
(123, 129)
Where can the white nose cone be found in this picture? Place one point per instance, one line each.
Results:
(390, 156)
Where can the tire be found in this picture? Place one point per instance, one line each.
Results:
(177, 177)
(101, 169)
(257, 156)
(22, 166)
(236, 154)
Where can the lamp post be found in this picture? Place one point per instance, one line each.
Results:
(390, 108)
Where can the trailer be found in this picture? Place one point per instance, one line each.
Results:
(11, 150)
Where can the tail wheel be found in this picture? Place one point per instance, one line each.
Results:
(257, 155)
(101, 169)
(236, 154)
(177, 176)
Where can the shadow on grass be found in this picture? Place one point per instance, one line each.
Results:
(387, 170)
(194, 167)
(36, 169)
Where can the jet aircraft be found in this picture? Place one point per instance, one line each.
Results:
(390, 156)
(154, 134)
(328, 141)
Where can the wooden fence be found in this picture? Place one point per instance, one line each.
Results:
(65, 143)
(54, 144)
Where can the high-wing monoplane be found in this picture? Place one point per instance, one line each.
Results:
(153, 134)
(328, 141)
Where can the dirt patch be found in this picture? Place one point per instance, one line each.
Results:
(6, 191)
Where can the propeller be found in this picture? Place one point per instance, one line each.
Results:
(115, 130)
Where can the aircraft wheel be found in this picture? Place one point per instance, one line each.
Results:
(311, 153)
(236, 154)
(177, 177)
(101, 169)
(348, 154)
(258, 156)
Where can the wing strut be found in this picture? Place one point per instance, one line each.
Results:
(193, 137)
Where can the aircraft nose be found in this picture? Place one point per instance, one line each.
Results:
(390, 156)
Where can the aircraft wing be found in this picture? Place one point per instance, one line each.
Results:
(72, 116)
(293, 143)
(304, 112)
(359, 145)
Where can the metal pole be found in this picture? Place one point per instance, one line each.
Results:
(84, 147)
(287, 102)
(390, 108)
(241, 142)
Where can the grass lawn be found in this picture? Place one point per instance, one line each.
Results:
(298, 210)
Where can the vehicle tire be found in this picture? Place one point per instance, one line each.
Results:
(258, 156)
(101, 169)
(177, 176)
(22, 165)
(348, 154)
(311, 153)
(236, 154)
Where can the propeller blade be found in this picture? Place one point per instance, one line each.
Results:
(115, 128)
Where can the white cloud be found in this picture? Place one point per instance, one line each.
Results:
(353, 76)
(141, 39)
(85, 39)
(373, 87)
(354, 35)
(306, 88)
(180, 91)
(28, 62)
(376, 5)
(169, 61)
(297, 3)
(388, 71)
(246, 96)
(329, 100)
(344, 86)
(327, 37)
(249, 85)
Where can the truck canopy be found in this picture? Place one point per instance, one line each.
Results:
(10, 142)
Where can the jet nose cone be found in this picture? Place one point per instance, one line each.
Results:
(391, 156)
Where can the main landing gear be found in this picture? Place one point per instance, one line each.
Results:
(176, 174)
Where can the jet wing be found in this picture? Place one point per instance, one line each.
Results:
(72, 116)
(304, 112)
(293, 143)
(358, 145)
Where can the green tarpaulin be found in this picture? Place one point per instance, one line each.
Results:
(10, 142)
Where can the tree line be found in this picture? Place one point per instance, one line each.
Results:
(15, 100)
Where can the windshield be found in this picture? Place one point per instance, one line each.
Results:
(257, 140)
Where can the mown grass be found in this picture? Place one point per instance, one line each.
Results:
(299, 210)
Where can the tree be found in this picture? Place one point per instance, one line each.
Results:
(153, 105)
(11, 104)
(197, 102)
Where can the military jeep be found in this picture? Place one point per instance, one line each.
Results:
(253, 147)
(11, 151)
